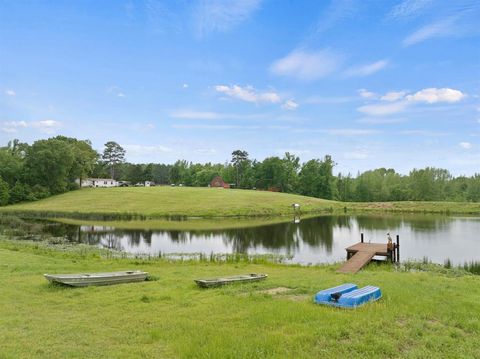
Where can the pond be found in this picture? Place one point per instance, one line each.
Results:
(313, 240)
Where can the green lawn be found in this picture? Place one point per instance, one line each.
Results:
(421, 315)
(157, 202)
(168, 201)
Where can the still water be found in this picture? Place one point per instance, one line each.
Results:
(313, 240)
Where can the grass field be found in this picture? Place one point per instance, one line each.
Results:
(421, 315)
(177, 201)
(157, 202)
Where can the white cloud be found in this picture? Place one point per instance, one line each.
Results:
(138, 150)
(368, 69)
(10, 93)
(350, 132)
(393, 96)
(380, 120)
(248, 93)
(366, 94)
(383, 109)
(221, 16)
(185, 86)
(307, 66)
(13, 126)
(434, 95)
(399, 101)
(115, 90)
(208, 115)
(196, 115)
(465, 145)
(290, 105)
(437, 29)
(207, 127)
(46, 126)
(205, 151)
(423, 133)
(356, 155)
(409, 8)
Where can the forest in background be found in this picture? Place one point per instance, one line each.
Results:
(52, 166)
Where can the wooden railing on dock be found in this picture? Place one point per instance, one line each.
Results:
(360, 254)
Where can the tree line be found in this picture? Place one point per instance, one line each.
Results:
(52, 166)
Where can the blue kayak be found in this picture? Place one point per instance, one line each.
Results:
(348, 296)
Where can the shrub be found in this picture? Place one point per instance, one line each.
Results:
(19, 192)
(4, 192)
(38, 192)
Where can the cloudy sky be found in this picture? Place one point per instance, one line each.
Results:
(372, 83)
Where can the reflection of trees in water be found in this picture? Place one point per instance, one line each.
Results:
(315, 232)
(417, 223)
(111, 241)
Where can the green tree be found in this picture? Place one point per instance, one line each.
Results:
(240, 161)
(134, 173)
(113, 154)
(84, 157)
(316, 178)
(48, 163)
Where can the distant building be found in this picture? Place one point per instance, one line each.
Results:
(149, 183)
(218, 182)
(98, 182)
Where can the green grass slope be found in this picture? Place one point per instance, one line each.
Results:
(421, 315)
(157, 202)
(168, 201)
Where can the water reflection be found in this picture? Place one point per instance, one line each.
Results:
(312, 240)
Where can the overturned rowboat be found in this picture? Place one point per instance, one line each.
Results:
(216, 282)
(348, 296)
(86, 279)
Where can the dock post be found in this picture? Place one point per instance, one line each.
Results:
(361, 237)
(398, 248)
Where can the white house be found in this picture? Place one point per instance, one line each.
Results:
(98, 182)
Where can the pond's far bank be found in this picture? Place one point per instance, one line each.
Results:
(177, 202)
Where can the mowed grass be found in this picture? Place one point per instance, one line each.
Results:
(160, 202)
(421, 315)
(176, 201)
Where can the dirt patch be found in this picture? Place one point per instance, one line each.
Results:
(275, 291)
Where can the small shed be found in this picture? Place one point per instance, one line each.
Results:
(218, 182)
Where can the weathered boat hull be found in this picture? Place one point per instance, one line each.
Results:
(88, 279)
(348, 296)
(216, 282)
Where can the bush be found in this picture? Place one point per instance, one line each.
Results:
(4, 192)
(38, 192)
(19, 192)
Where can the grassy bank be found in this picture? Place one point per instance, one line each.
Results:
(158, 202)
(422, 314)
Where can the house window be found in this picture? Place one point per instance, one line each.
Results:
(104, 182)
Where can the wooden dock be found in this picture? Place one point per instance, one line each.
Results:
(360, 254)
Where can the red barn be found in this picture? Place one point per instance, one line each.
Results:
(218, 182)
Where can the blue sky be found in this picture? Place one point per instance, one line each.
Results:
(372, 83)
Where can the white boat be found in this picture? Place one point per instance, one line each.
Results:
(108, 278)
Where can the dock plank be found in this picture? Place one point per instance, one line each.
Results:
(362, 254)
